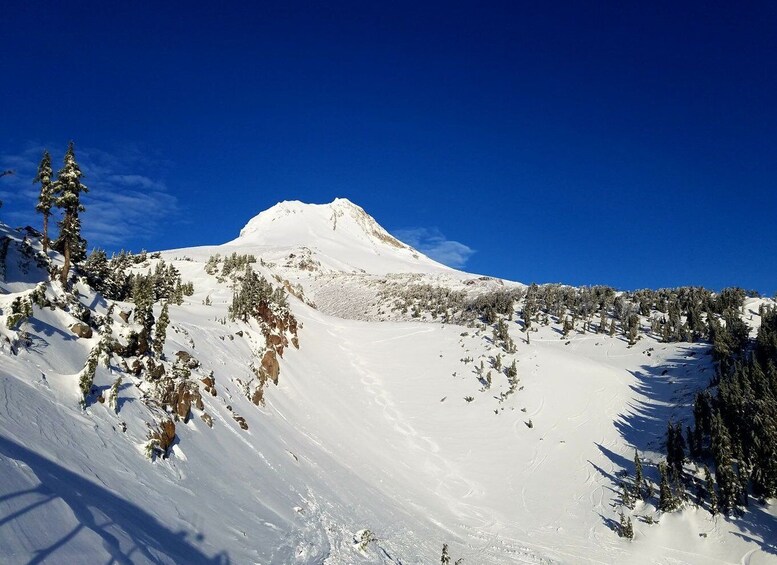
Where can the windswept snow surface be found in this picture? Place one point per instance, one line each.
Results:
(368, 429)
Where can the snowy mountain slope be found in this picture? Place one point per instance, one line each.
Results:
(369, 427)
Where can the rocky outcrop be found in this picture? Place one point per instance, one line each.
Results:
(270, 366)
(186, 359)
(82, 330)
(209, 383)
(277, 327)
(162, 438)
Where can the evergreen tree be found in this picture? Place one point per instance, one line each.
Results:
(567, 327)
(67, 190)
(628, 531)
(632, 328)
(626, 496)
(46, 197)
(445, 559)
(143, 297)
(667, 501)
(638, 476)
(675, 448)
(709, 483)
(97, 270)
(625, 527)
(160, 334)
(725, 475)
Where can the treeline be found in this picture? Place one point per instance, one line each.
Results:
(671, 315)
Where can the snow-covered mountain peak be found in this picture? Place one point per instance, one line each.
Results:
(341, 215)
(341, 235)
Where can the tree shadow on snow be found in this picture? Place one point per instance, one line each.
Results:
(757, 522)
(668, 392)
(90, 503)
(39, 326)
(664, 393)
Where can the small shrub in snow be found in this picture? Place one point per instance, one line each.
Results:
(363, 539)
(86, 379)
(113, 395)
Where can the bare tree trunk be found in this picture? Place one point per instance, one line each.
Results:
(66, 252)
(45, 233)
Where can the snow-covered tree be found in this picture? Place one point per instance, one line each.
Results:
(46, 196)
(160, 333)
(667, 501)
(67, 189)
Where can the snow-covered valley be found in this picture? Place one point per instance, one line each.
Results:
(389, 433)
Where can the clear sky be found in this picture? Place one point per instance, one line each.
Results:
(625, 143)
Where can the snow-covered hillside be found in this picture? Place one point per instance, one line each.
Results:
(393, 428)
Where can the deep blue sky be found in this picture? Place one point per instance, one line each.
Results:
(631, 144)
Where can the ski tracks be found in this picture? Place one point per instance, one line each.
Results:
(451, 484)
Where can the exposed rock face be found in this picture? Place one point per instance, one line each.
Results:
(81, 330)
(270, 365)
(276, 342)
(210, 384)
(240, 421)
(276, 327)
(186, 358)
(165, 435)
(155, 371)
(179, 396)
(124, 316)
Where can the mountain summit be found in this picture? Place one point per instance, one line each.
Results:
(341, 235)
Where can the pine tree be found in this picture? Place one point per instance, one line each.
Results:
(68, 189)
(567, 327)
(627, 528)
(725, 475)
(46, 197)
(445, 559)
(86, 379)
(113, 394)
(675, 448)
(709, 483)
(97, 270)
(666, 502)
(626, 496)
(638, 476)
(160, 334)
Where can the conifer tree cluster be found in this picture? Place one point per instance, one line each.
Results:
(116, 280)
(63, 193)
(254, 293)
(681, 314)
(735, 420)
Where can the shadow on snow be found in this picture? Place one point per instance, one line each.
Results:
(152, 539)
